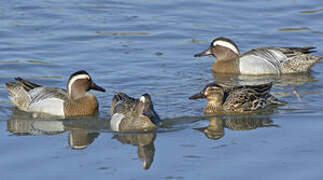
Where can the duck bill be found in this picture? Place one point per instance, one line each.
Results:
(96, 87)
(155, 118)
(197, 96)
(204, 53)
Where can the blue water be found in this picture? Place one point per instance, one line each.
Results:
(148, 46)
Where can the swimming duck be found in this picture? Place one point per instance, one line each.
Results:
(262, 60)
(128, 113)
(246, 98)
(75, 101)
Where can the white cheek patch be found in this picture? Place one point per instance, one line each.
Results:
(227, 45)
(75, 78)
(142, 99)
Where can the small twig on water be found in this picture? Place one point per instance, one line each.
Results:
(296, 93)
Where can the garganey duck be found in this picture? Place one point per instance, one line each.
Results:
(130, 114)
(258, 61)
(75, 101)
(245, 98)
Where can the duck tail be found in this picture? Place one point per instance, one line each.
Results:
(274, 101)
(11, 86)
(120, 96)
(27, 85)
(18, 95)
(261, 88)
(305, 50)
(302, 62)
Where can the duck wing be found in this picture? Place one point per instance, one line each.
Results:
(293, 51)
(282, 59)
(38, 92)
(278, 54)
(29, 96)
(122, 103)
(247, 98)
(27, 85)
(48, 100)
(42, 93)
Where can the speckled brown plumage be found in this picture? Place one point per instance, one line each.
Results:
(247, 98)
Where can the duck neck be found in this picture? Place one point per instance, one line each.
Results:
(76, 94)
(214, 105)
(227, 61)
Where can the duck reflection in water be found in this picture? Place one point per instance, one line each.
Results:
(80, 136)
(144, 142)
(284, 79)
(217, 124)
(215, 129)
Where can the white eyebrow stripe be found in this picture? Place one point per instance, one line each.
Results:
(75, 78)
(226, 44)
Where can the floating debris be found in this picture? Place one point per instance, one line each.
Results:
(295, 29)
(122, 33)
(312, 11)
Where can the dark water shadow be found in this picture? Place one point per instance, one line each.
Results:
(283, 79)
(217, 124)
(82, 132)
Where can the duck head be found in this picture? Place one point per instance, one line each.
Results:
(213, 92)
(146, 108)
(222, 48)
(79, 83)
